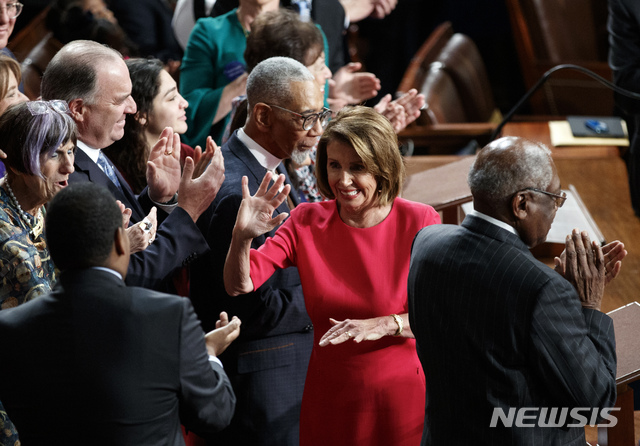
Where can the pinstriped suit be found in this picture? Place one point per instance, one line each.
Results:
(497, 328)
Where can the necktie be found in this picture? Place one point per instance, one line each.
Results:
(105, 165)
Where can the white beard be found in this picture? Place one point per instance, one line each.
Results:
(299, 156)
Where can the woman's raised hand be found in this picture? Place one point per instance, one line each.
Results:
(255, 213)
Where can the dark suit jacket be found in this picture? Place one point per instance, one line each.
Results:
(96, 362)
(496, 328)
(148, 24)
(624, 49)
(624, 59)
(267, 364)
(329, 14)
(178, 239)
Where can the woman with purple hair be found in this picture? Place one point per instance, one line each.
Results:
(39, 139)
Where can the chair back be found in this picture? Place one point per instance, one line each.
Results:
(418, 68)
(553, 32)
(462, 61)
(459, 105)
(443, 103)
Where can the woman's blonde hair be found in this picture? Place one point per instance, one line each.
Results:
(372, 137)
(8, 65)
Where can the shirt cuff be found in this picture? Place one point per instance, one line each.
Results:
(169, 206)
(216, 360)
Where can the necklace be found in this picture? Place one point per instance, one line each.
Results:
(244, 31)
(35, 228)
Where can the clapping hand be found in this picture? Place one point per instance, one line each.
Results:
(141, 235)
(198, 191)
(163, 167)
(353, 87)
(202, 159)
(126, 213)
(255, 213)
(225, 333)
(402, 111)
(585, 268)
(614, 253)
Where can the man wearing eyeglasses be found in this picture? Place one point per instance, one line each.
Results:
(267, 366)
(499, 332)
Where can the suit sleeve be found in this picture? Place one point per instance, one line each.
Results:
(277, 307)
(573, 348)
(207, 401)
(178, 241)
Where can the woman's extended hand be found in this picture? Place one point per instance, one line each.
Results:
(359, 330)
(255, 213)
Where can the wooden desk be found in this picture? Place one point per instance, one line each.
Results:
(445, 188)
(539, 131)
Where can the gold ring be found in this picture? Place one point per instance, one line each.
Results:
(168, 152)
(349, 334)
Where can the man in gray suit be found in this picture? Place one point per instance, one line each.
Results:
(500, 334)
(99, 363)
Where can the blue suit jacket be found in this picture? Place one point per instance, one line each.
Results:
(178, 239)
(123, 365)
(496, 328)
(267, 364)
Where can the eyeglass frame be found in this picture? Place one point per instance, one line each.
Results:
(44, 107)
(559, 199)
(16, 5)
(314, 116)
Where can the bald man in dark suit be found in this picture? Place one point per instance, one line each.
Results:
(497, 331)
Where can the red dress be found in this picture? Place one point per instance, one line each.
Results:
(372, 393)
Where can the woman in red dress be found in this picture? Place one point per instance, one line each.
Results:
(364, 384)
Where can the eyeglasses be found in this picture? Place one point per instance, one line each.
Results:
(559, 199)
(310, 120)
(42, 107)
(13, 9)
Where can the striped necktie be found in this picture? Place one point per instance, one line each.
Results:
(105, 165)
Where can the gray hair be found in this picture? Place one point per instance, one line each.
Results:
(270, 81)
(508, 165)
(72, 73)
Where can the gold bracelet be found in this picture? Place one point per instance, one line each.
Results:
(400, 323)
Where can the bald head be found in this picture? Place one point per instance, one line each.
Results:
(506, 166)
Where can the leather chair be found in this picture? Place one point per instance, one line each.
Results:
(29, 36)
(418, 68)
(551, 32)
(460, 108)
(461, 59)
(36, 62)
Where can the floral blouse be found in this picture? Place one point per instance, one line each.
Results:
(26, 268)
